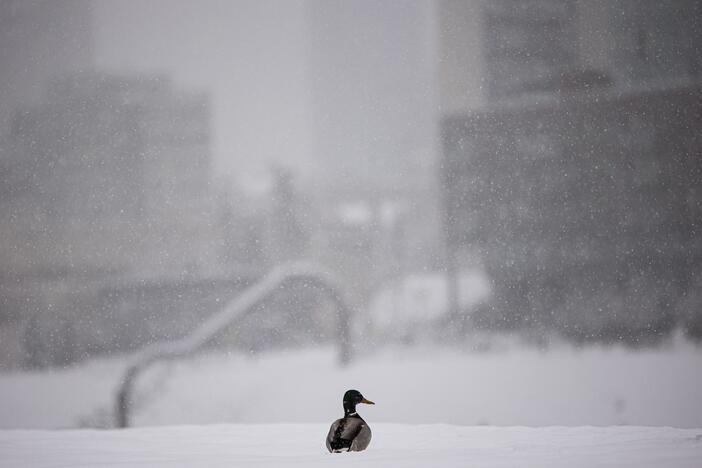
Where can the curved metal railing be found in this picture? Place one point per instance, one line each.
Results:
(237, 309)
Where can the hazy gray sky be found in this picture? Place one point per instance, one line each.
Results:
(318, 86)
(250, 56)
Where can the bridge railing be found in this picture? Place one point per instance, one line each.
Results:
(233, 312)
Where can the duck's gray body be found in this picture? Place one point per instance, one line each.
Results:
(348, 434)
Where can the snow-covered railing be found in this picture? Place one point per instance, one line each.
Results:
(237, 309)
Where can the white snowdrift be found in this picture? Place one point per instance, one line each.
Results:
(393, 445)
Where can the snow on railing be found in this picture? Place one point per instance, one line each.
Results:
(237, 309)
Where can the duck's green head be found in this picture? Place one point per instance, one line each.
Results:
(352, 398)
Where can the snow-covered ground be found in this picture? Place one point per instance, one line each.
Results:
(393, 445)
(284, 402)
(514, 387)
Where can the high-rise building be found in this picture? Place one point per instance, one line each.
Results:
(106, 184)
(502, 50)
(639, 43)
(111, 173)
(571, 167)
(39, 40)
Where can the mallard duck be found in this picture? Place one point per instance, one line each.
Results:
(350, 433)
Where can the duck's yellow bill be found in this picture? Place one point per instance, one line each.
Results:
(368, 402)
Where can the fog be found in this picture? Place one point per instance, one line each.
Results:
(250, 57)
(291, 181)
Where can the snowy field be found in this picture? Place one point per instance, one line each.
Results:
(513, 387)
(434, 407)
(393, 445)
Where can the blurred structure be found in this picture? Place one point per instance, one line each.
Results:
(119, 224)
(572, 165)
(39, 40)
(112, 174)
(234, 313)
(106, 180)
(288, 232)
(584, 211)
(501, 50)
(372, 101)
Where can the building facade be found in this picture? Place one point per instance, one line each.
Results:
(571, 162)
(105, 182)
(504, 50)
(112, 174)
(583, 211)
(40, 39)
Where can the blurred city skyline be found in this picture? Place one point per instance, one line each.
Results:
(166, 146)
(272, 70)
